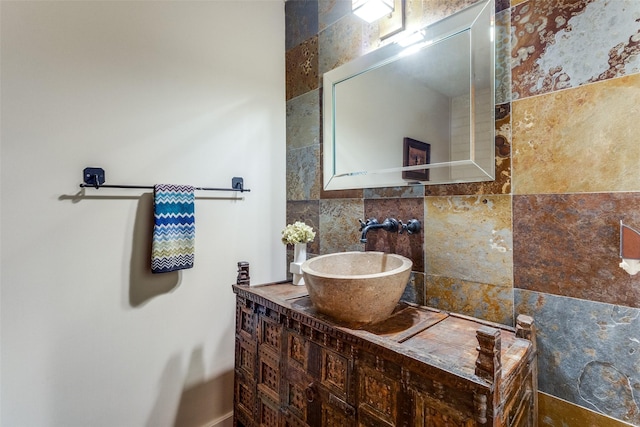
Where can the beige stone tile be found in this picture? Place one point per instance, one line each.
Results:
(469, 238)
(339, 225)
(488, 302)
(578, 140)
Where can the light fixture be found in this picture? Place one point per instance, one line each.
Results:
(372, 10)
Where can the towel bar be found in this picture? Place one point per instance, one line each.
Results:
(94, 178)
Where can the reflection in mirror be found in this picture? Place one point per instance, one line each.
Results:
(438, 93)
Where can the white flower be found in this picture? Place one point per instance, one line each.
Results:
(298, 232)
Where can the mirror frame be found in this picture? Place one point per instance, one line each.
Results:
(481, 13)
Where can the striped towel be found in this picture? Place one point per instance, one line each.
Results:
(174, 229)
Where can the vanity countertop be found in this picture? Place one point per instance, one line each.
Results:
(447, 341)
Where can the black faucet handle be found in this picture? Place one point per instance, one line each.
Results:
(412, 227)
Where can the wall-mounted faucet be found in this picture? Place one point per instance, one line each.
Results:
(389, 224)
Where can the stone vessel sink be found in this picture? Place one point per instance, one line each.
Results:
(356, 287)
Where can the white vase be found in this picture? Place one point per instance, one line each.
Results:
(299, 256)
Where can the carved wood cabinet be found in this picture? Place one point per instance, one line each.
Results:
(421, 367)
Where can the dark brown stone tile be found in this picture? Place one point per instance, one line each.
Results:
(502, 5)
(302, 68)
(568, 244)
(402, 244)
(340, 194)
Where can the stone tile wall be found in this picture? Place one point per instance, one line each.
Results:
(542, 239)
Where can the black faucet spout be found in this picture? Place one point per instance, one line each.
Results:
(389, 224)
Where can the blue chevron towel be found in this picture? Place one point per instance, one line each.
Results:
(174, 229)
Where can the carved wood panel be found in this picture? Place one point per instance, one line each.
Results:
(244, 398)
(334, 371)
(297, 350)
(268, 413)
(246, 324)
(378, 393)
(270, 334)
(334, 412)
(334, 417)
(297, 389)
(246, 357)
(269, 374)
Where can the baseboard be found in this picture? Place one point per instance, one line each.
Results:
(224, 421)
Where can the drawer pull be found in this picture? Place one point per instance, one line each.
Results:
(310, 392)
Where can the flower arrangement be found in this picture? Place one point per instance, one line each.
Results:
(298, 232)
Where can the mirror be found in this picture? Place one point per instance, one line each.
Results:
(417, 114)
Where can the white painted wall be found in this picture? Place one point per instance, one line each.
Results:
(168, 91)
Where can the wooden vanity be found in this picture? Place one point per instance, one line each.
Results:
(421, 367)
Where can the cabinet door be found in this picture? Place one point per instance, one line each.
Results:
(430, 412)
(268, 412)
(335, 373)
(244, 399)
(298, 392)
(246, 358)
(245, 321)
(378, 393)
(297, 380)
(317, 387)
(334, 411)
(269, 356)
(309, 403)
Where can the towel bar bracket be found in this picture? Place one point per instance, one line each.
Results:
(237, 183)
(93, 177)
